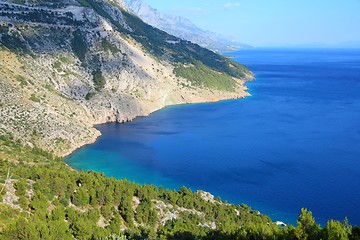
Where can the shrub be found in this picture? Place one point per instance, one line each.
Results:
(79, 45)
(34, 98)
(99, 80)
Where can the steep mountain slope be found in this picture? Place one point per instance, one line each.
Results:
(183, 28)
(67, 65)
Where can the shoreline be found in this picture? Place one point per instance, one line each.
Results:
(241, 93)
(262, 211)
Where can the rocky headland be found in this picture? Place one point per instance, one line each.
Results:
(68, 66)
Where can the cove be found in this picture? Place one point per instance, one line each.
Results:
(295, 143)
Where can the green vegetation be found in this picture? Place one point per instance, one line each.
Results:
(84, 3)
(108, 46)
(60, 203)
(165, 46)
(89, 95)
(49, 200)
(64, 60)
(12, 41)
(57, 65)
(99, 80)
(38, 15)
(34, 98)
(79, 45)
(201, 75)
(22, 80)
(99, 9)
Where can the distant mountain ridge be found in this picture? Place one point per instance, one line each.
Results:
(183, 28)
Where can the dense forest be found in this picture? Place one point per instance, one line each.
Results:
(43, 198)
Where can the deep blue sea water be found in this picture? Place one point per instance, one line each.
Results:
(295, 143)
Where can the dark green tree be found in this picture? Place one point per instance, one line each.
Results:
(307, 228)
(22, 229)
(81, 197)
(335, 230)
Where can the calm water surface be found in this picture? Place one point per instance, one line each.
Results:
(295, 143)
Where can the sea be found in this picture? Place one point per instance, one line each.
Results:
(295, 143)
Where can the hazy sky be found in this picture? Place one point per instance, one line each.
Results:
(272, 22)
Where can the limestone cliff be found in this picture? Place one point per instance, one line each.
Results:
(67, 65)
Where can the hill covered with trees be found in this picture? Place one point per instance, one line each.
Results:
(43, 198)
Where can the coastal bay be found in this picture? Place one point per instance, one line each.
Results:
(293, 144)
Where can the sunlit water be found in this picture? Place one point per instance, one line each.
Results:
(295, 143)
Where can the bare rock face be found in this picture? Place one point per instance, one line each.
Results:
(65, 67)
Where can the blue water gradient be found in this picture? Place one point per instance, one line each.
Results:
(295, 143)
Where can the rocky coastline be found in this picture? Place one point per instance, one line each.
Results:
(74, 68)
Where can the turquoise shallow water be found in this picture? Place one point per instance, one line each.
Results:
(295, 143)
